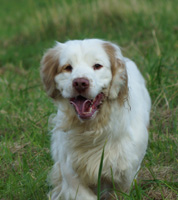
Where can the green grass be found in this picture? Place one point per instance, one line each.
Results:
(147, 32)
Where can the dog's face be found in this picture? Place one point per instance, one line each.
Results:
(84, 73)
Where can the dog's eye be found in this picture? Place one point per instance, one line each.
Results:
(97, 66)
(68, 68)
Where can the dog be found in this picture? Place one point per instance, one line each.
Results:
(102, 103)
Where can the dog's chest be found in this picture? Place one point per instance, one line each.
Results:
(86, 162)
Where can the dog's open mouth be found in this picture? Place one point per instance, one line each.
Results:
(86, 108)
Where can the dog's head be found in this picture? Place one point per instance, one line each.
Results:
(85, 73)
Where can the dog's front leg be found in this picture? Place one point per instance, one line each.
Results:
(71, 188)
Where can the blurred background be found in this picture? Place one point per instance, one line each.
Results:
(146, 31)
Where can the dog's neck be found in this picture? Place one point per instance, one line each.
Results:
(68, 121)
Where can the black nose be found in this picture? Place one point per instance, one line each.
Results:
(81, 84)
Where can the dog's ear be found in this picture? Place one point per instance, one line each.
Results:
(49, 69)
(119, 82)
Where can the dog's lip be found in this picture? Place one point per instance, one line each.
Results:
(86, 108)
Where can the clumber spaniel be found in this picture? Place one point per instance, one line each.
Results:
(101, 99)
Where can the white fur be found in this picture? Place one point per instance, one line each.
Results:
(77, 145)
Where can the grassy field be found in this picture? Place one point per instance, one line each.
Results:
(147, 31)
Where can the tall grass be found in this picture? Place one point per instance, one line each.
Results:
(99, 175)
(147, 33)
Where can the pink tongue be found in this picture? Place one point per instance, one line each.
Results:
(86, 106)
(82, 105)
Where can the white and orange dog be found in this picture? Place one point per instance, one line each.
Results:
(101, 99)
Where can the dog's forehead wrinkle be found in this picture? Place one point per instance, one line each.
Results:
(82, 70)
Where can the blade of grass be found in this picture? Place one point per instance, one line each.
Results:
(99, 174)
(168, 186)
(114, 187)
(137, 190)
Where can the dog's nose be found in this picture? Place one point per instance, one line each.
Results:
(81, 84)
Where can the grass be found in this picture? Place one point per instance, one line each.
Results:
(147, 32)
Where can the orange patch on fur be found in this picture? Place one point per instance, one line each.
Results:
(117, 66)
(49, 69)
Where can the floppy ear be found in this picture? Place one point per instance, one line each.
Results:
(119, 82)
(49, 69)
